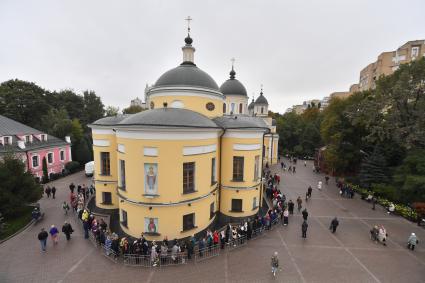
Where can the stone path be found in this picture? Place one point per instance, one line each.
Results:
(347, 256)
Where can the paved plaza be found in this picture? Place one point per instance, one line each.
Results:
(346, 256)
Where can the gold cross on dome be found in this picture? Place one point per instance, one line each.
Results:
(188, 19)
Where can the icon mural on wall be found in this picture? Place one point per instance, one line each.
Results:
(151, 225)
(151, 178)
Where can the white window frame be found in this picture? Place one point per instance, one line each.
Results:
(32, 161)
(416, 53)
(43, 137)
(10, 140)
(60, 155)
(53, 158)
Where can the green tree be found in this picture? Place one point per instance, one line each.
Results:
(17, 186)
(76, 131)
(45, 172)
(132, 109)
(93, 108)
(68, 99)
(23, 101)
(374, 169)
(409, 177)
(81, 152)
(111, 111)
(56, 123)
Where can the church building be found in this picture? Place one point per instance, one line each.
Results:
(194, 158)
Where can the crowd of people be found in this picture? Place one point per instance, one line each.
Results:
(159, 252)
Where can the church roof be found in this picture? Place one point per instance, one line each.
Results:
(187, 75)
(232, 86)
(240, 122)
(261, 99)
(174, 117)
(111, 120)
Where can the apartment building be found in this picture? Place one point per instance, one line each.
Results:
(388, 62)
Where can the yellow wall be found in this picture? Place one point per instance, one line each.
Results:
(170, 219)
(194, 103)
(105, 183)
(244, 193)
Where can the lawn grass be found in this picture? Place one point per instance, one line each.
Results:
(15, 224)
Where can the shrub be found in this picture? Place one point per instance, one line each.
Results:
(72, 166)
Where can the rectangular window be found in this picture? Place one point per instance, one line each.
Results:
(50, 158)
(188, 177)
(213, 176)
(35, 161)
(6, 140)
(238, 168)
(254, 203)
(240, 108)
(43, 137)
(212, 210)
(27, 139)
(237, 205)
(415, 51)
(124, 218)
(122, 174)
(105, 164)
(62, 155)
(106, 198)
(188, 221)
(256, 168)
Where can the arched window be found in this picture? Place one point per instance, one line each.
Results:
(262, 110)
(240, 108)
(224, 108)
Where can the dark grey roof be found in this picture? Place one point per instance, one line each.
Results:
(187, 75)
(233, 87)
(240, 122)
(251, 105)
(9, 127)
(173, 117)
(111, 119)
(261, 99)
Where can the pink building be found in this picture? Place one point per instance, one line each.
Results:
(32, 146)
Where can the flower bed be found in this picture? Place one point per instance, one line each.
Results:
(400, 209)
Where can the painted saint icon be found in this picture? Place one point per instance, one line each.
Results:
(151, 178)
(151, 225)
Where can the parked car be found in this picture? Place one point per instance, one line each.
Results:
(89, 168)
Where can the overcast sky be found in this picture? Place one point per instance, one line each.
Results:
(298, 50)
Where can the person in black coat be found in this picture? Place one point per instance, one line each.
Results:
(42, 237)
(291, 207)
(334, 224)
(53, 191)
(305, 214)
(67, 230)
(72, 187)
(304, 227)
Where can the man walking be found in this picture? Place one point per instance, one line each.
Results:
(48, 191)
(374, 201)
(72, 187)
(67, 230)
(299, 203)
(304, 227)
(334, 224)
(305, 214)
(53, 191)
(42, 237)
(291, 207)
(275, 263)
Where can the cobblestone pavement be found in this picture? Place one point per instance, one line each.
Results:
(346, 256)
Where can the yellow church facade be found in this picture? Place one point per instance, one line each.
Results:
(193, 159)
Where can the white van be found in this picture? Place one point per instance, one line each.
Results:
(89, 168)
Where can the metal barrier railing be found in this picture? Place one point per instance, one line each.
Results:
(92, 238)
(236, 243)
(207, 252)
(153, 261)
(257, 233)
(109, 253)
